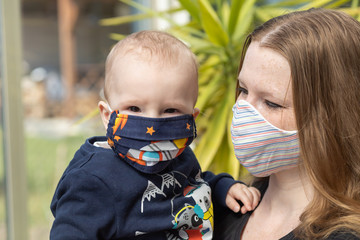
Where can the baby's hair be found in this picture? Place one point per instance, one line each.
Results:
(157, 46)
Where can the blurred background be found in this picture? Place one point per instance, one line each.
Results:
(63, 47)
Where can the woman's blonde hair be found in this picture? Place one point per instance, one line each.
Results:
(323, 51)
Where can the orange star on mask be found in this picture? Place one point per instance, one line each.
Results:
(188, 126)
(150, 130)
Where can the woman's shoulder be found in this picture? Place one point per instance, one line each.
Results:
(229, 225)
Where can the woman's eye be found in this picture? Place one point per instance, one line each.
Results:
(134, 109)
(242, 90)
(171, 110)
(273, 105)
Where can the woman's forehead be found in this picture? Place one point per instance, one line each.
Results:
(266, 71)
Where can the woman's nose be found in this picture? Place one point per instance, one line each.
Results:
(253, 100)
(247, 97)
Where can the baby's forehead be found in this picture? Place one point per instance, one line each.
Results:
(141, 56)
(135, 58)
(154, 49)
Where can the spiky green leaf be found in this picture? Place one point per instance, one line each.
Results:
(211, 24)
(192, 8)
(236, 7)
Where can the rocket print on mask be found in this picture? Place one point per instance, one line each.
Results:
(120, 120)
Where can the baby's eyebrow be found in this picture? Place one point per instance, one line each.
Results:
(132, 101)
(175, 105)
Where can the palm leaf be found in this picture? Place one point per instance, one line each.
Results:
(315, 4)
(117, 36)
(236, 8)
(212, 25)
(192, 8)
(337, 4)
(212, 138)
(245, 19)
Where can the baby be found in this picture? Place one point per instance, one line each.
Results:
(143, 181)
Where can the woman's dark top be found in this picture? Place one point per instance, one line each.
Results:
(230, 225)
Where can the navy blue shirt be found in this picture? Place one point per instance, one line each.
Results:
(100, 196)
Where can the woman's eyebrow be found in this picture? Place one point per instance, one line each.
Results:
(241, 82)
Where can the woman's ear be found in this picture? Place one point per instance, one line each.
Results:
(196, 112)
(104, 113)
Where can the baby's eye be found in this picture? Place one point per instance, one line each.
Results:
(134, 109)
(273, 105)
(171, 110)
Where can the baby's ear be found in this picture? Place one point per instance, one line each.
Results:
(104, 113)
(196, 112)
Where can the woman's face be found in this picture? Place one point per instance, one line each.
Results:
(265, 82)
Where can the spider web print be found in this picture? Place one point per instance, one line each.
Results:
(168, 181)
(149, 193)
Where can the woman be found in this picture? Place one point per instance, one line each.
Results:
(296, 125)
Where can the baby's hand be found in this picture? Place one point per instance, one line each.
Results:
(249, 196)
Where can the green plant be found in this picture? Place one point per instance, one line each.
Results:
(215, 34)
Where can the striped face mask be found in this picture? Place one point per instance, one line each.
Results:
(260, 147)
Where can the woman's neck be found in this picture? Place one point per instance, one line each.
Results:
(288, 190)
(279, 211)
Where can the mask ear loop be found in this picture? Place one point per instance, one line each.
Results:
(109, 108)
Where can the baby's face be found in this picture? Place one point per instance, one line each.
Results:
(148, 89)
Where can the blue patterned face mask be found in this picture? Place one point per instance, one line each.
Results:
(149, 143)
